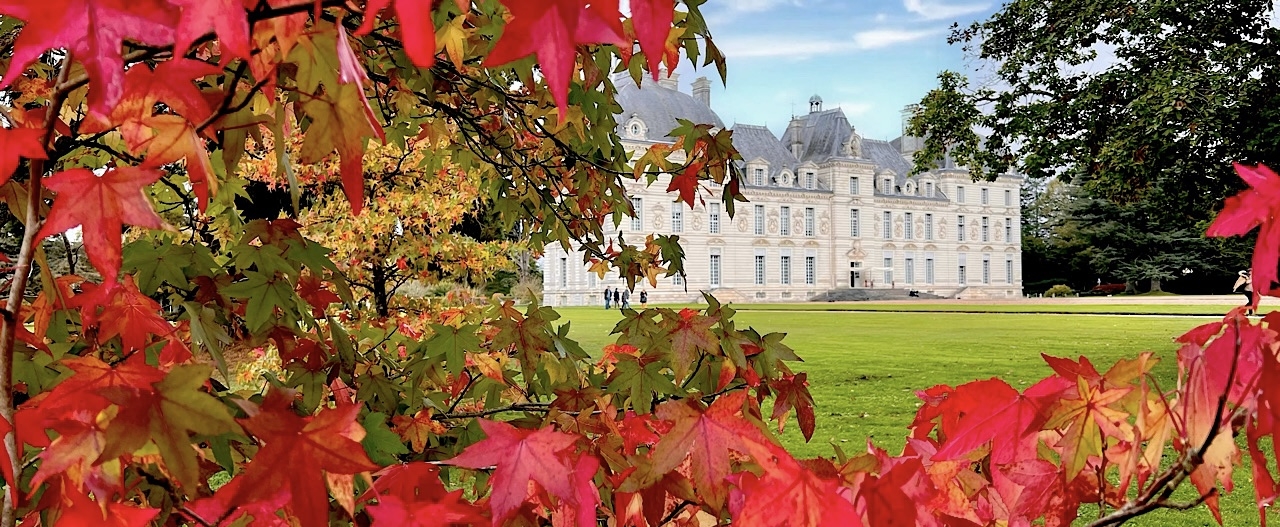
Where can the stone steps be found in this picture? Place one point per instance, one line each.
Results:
(870, 295)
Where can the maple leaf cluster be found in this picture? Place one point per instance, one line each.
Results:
(167, 138)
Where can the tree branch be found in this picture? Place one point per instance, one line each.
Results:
(21, 273)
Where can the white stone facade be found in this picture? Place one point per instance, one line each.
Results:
(828, 211)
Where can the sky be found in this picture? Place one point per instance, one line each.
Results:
(869, 57)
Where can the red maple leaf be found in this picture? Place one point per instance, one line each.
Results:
(227, 18)
(16, 143)
(652, 22)
(692, 332)
(103, 205)
(83, 511)
(1257, 205)
(416, 30)
(125, 313)
(553, 29)
(311, 289)
(412, 494)
(993, 412)
(686, 182)
(94, 31)
(520, 456)
(705, 436)
(295, 455)
(792, 392)
(788, 494)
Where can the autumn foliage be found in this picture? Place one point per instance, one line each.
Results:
(142, 126)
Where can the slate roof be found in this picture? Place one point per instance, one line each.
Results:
(754, 141)
(823, 134)
(659, 106)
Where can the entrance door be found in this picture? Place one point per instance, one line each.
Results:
(855, 275)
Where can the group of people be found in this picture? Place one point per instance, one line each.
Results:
(621, 298)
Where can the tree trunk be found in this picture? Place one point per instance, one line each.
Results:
(380, 293)
(1129, 287)
(1155, 285)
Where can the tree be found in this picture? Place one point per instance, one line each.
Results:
(1105, 96)
(129, 121)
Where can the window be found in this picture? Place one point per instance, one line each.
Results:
(963, 279)
(808, 221)
(959, 194)
(715, 270)
(928, 270)
(786, 221)
(1008, 268)
(1008, 230)
(759, 220)
(986, 229)
(1008, 198)
(713, 221)
(910, 270)
(854, 229)
(678, 279)
(888, 270)
(810, 269)
(637, 221)
(959, 228)
(986, 268)
(909, 230)
(985, 196)
(887, 187)
(759, 179)
(564, 272)
(784, 267)
(810, 180)
(853, 186)
(759, 268)
(888, 225)
(928, 189)
(677, 218)
(928, 227)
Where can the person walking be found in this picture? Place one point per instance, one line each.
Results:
(617, 298)
(626, 299)
(1244, 284)
(644, 299)
(608, 295)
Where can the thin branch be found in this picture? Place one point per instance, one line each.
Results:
(517, 407)
(21, 273)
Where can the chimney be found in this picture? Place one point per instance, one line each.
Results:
(702, 91)
(793, 130)
(668, 79)
(909, 143)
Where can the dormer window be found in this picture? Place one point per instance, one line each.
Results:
(635, 128)
(810, 180)
(888, 186)
(759, 177)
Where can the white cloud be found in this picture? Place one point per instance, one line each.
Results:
(938, 10)
(883, 38)
(778, 46)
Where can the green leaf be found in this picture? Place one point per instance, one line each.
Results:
(639, 379)
(453, 344)
(380, 443)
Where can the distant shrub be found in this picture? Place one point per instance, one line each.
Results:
(1059, 290)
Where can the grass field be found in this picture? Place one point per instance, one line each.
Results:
(865, 366)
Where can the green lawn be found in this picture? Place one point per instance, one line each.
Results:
(865, 366)
(1043, 306)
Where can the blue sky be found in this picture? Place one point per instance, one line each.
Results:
(870, 57)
